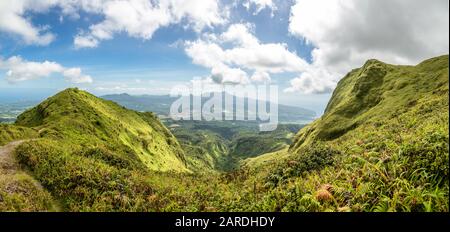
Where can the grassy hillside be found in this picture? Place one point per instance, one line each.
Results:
(9, 133)
(94, 155)
(382, 145)
(378, 92)
(85, 121)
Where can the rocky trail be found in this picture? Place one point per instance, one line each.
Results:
(8, 164)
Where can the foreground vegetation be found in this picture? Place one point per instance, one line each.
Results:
(382, 145)
(9, 133)
(19, 190)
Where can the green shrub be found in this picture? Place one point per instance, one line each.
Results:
(311, 158)
(122, 161)
(19, 192)
(429, 153)
(84, 184)
(9, 133)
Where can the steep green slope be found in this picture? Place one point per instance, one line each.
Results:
(94, 155)
(85, 121)
(382, 145)
(377, 92)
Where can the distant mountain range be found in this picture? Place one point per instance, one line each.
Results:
(161, 106)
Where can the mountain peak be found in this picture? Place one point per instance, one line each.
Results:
(372, 61)
(78, 116)
(70, 91)
(374, 92)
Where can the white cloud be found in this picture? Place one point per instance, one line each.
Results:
(199, 13)
(239, 34)
(346, 33)
(226, 75)
(21, 70)
(246, 53)
(315, 80)
(85, 42)
(18, 70)
(136, 18)
(75, 76)
(259, 76)
(259, 5)
(205, 53)
(141, 18)
(12, 21)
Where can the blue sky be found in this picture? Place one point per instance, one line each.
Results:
(132, 58)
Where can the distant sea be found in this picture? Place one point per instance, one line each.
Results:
(12, 95)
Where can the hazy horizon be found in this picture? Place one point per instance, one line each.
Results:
(317, 104)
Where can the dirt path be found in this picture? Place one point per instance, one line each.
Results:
(19, 190)
(8, 165)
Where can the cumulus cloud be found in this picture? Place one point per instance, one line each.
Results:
(259, 5)
(346, 33)
(81, 41)
(226, 75)
(315, 80)
(141, 18)
(75, 76)
(12, 21)
(237, 51)
(136, 18)
(18, 70)
(262, 77)
(239, 34)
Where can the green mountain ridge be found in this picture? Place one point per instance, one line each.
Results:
(85, 120)
(374, 92)
(381, 145)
